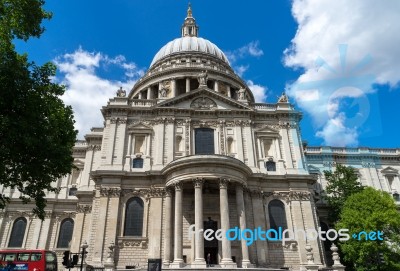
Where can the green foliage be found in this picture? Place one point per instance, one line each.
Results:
(371, 210)
(342, 183)
(36, 128)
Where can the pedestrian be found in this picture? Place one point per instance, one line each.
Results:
(208, 260)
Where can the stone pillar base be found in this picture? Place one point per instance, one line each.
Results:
(177, 264)
(311, 267)
(227, 263)
(166, 264)
(338, 267)
(247, 264)
(198, 264)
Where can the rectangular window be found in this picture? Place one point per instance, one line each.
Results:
(204, 141)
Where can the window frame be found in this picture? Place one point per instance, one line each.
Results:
(124, 232)
(20, 235)
(60, 232)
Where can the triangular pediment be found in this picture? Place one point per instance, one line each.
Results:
(313, 169)
(203, 99)
(267, 130)
(390, 171)
(140, 127)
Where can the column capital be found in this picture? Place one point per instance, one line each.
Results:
(178, 186)
(198, 182)
(223, 183)
(168, 191)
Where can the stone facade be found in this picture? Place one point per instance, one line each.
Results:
(151, 149)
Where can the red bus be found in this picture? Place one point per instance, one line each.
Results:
(28, 260)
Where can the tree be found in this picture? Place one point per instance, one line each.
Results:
(342, 183)
(36, 128)
(371, 211)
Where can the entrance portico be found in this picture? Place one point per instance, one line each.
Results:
(221, 171)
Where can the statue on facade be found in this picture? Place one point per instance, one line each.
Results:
(283, 98)
(121, 92)
(202, 78)
(163, 90)
(241, 93)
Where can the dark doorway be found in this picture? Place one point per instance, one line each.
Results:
(211, 247)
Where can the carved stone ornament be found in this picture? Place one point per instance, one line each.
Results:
(132, 243)
(198, 182)
(203, 103)
(110, 192)
(84, 208)
(223, 183)
(288, 195)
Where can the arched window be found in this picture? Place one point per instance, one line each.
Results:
(17, 233)
(65, 235)
(134, 217)
(137, 163)
(277, 215)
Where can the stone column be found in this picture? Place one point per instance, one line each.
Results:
(228, 91)
(187, 84)
(178, 249)
(259, 221)
(216, 86)
(149, 93)
(168, 228)
(173, 87)
(199, 261)
(242, 224)
(226, 261)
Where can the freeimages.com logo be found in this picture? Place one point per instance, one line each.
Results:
(283, 235)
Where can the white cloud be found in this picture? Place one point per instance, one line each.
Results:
(250, 49)
(240, 70)
(259, 92)
(334, 133)
(86, 91)
(372, 55)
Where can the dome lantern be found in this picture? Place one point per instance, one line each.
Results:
(189, 27)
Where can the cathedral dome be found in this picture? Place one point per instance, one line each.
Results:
(189, 44)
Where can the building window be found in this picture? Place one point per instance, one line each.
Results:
(270, 166)
(134, 217)
(17, 233)
(277, 215)
(137, 163)
(72, 191)
(204, 141)
(65, 235)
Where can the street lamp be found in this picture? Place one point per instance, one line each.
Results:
(84, 246)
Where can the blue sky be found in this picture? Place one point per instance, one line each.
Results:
(339, 61)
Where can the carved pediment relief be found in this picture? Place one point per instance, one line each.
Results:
(203, 103)
(204, 99)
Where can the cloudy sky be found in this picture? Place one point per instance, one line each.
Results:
(339, 61)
